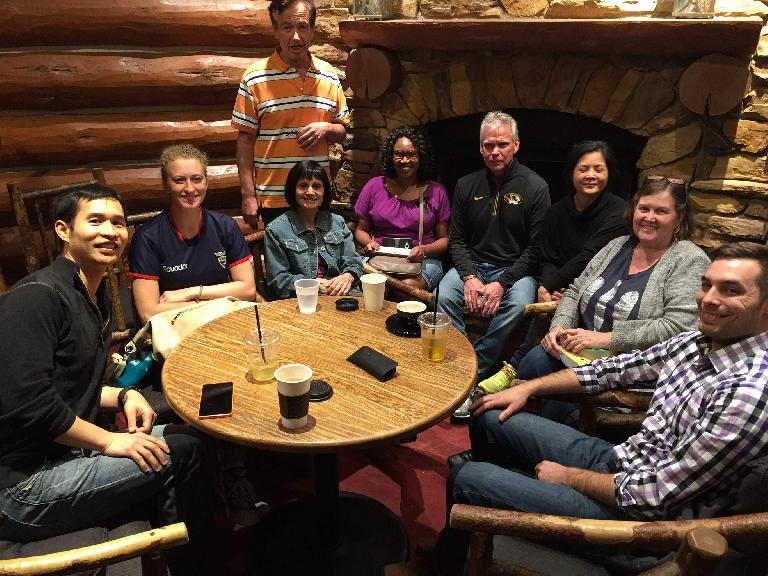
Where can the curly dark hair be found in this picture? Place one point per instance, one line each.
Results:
(423, 145)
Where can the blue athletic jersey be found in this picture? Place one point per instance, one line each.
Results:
(159, 252)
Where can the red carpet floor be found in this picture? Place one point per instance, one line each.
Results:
(408, 478)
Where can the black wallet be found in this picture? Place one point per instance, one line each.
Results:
(373, 362)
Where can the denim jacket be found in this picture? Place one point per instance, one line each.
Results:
(291, 250)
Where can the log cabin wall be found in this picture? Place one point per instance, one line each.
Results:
(93, 84)
(88, 84)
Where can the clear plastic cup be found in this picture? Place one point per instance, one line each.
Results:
(434, 335)
(262, 354)
(306, 292)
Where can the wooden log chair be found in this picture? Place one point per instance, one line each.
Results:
(397, 290)
(510, 542)
(132, 549)
(592, 413)
(39, 244)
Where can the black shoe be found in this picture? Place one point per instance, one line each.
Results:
(459, 459)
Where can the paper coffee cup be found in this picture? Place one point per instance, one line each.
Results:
(373, 291)
(293, 392)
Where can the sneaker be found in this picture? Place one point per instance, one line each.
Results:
(462, 413)
(244, 507)
(503, 379)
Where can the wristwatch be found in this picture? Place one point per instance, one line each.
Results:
(468, 277)
(122, 393)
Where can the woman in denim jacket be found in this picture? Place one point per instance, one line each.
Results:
(308, 241)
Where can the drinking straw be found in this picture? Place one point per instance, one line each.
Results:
(261, 339)
(434, 310)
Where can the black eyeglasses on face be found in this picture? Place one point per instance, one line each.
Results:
(403, 155)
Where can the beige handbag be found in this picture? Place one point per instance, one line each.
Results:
(163, 332)
(170, 327)
(398, 265)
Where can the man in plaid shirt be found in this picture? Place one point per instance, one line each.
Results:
(707, 420)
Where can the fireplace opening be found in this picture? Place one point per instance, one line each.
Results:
(545, 138)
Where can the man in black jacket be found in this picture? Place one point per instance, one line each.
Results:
(495, 222)
(59, 471)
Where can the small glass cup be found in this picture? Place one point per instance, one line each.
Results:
(262, 354)
(434, 335)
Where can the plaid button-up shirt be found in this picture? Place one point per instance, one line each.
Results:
(707, 419)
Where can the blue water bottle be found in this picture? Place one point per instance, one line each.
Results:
(136, 367)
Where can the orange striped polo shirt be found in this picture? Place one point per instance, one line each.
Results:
(274, 102)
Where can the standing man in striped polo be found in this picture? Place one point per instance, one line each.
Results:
(289, 107)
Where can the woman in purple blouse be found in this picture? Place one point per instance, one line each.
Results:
(388, 206)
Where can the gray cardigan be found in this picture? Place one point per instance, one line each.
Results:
(667, 306)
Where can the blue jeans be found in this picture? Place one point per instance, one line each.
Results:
(539, 363)
(84, 488)
(521, 442)
(490, 346)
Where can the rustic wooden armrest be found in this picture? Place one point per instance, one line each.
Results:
(395, 284)
(622, 398)
(252, 239)
(540, 308)
(88, 557)
(663, 535)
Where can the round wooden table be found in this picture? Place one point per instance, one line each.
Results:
(362, 411)
(329, 534)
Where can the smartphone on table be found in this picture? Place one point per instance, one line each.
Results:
(216, 400)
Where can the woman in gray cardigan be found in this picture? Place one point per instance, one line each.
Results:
(636, 292)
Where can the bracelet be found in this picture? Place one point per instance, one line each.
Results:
(122, 393)
(199, 294)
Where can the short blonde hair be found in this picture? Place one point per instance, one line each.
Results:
(176, 151)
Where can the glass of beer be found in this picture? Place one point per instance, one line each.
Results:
(434, 335)
(262, 353)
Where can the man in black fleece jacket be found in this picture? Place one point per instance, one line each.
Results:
(495, 223)
(59, 471)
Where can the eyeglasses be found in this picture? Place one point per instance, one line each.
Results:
(657, 178)
(405, 155)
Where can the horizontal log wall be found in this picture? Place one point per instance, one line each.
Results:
(66, 80)
(195, 23)
(93, 139)
(92, 84)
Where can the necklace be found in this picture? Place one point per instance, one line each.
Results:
(410, 192)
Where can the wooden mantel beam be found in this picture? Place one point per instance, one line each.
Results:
(667, 37)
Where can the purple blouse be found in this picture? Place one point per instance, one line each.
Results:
(396, 218)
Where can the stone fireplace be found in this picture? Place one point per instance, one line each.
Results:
(595, 79)
(546, 137)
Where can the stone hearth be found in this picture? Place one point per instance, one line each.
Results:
(723, 158)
